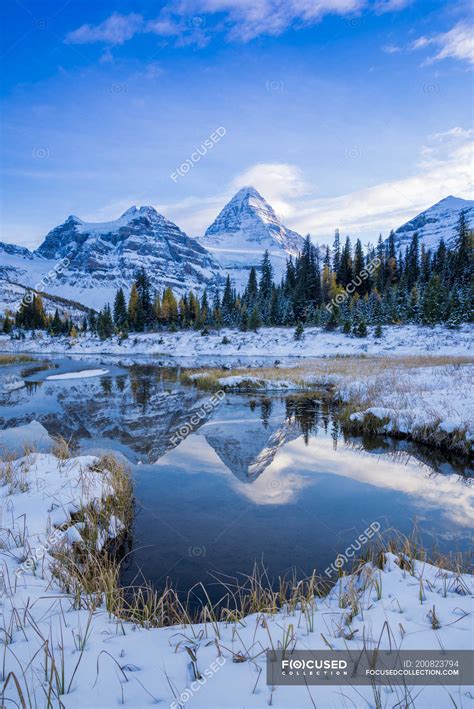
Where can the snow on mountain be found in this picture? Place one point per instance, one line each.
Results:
(105, 256)
(89, 261)
(436, 222)
(243, 230)
(21, 270)
(12, 295)
(15, 262)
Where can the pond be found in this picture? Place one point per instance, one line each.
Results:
(267, 479)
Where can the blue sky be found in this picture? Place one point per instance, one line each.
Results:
(343, 113)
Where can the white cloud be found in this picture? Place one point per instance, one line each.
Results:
(391, 5)
(391, 49)
(277, 182)
(420, 43)
(192, 21)
(116, 29)
(443, 169)
(251, 18)
(458, 43)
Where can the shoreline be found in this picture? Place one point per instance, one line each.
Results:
(267, 343)
(423, 399)
(141, 663)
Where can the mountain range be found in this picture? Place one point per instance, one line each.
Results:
(89, 261)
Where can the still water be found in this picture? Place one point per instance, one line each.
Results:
(268, 479)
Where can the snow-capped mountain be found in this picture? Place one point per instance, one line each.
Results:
(95, 259)
(243, 230)
(104, 256)
(22, 270)
(12, 294)
(436, 222)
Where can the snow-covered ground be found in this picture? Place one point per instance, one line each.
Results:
(266, 343)
(421, 401)
(104, 663)
(424, 398)
(410, 400)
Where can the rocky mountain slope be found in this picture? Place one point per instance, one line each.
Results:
(105, 256)
(243, 230)
(436, 222)
(91, 260)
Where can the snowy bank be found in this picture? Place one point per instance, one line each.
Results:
(57, 644)
(269, 342)
(428, 399)
(83, 374)
(430, 404)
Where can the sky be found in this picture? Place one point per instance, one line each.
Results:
(354, 114)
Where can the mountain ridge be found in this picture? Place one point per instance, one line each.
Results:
(436, 222)
(243, 230)
(103, 256)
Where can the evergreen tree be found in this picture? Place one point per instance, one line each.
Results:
(433, 301)
(56, 324)
(145, 314)
(120, 310)
(265, 288)
(217, 311)
(7, 325)
(299, 330)
(358, 267)
(336, 253)
(344, 274)
(244, 319)
(228, 304)
(204, 308)
(360, 327)
(463, 259)
(255, 321)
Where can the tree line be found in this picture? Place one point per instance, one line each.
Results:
(414, 285)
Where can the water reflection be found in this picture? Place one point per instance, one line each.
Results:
(257, 475)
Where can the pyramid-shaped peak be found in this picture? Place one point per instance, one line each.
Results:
(249, 196)
(72, 219)
(249, 191)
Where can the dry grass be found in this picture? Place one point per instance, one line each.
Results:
(349, 367)
(357, 383)
(15, 359)
(14, 473)
(91, 579)
(61, 448)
